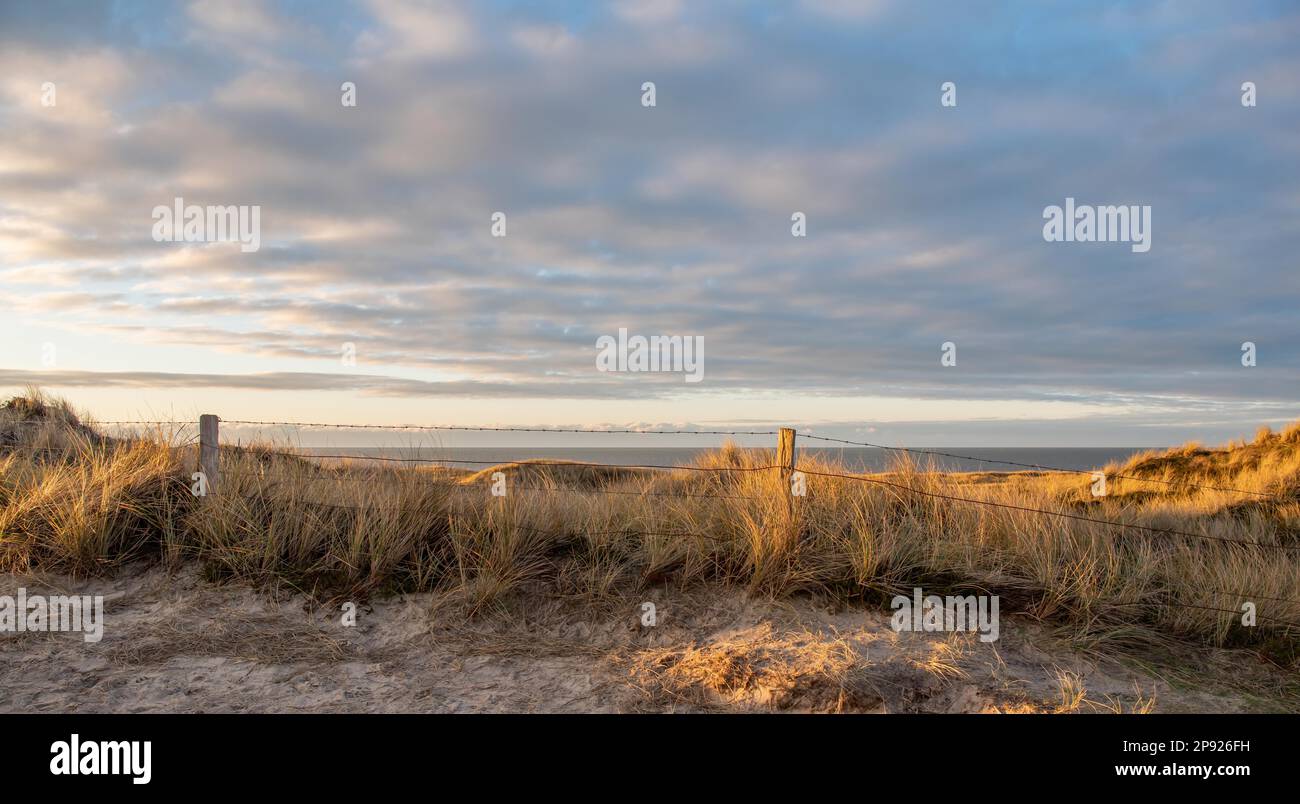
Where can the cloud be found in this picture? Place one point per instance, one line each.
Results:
(237, 20)
(408, 30)
(544, 40)
(846, 10)
(648, 12)
(370, 384)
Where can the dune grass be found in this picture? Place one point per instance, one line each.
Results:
(73, 500)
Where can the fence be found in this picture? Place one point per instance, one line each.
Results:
(786, 465)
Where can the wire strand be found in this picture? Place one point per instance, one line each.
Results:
(1045, 512)
(915, 451)
(323, 425)
(527, 462)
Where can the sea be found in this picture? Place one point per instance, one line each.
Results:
(856, 459)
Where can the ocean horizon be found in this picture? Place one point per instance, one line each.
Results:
(859, 459)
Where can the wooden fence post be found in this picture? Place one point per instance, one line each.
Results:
(209, 463)
(785, 454)
(785, 458)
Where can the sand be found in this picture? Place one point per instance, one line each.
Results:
(175, 642)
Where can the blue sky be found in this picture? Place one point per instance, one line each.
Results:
(924, 222)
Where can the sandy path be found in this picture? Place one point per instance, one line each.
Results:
(176, 643)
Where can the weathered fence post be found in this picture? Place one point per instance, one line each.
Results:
(209, 464)
(785, 458)
(785, 454)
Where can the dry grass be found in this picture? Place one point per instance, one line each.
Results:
(73, 500)
(806, 672)
(250, 637)
(1074, 698)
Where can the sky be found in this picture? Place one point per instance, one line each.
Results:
(924, 221)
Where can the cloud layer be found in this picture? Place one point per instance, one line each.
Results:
(924, 222)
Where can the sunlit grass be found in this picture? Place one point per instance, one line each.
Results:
(74, 500)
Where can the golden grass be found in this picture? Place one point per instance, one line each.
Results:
(351, 528)
(808, 672)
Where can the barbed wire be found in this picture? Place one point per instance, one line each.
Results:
(1040, 467)
(594, 431)
(1044, 511)
(88, 449)
(171, 422)
(524, 462)
(643, 431)
(93, 423)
